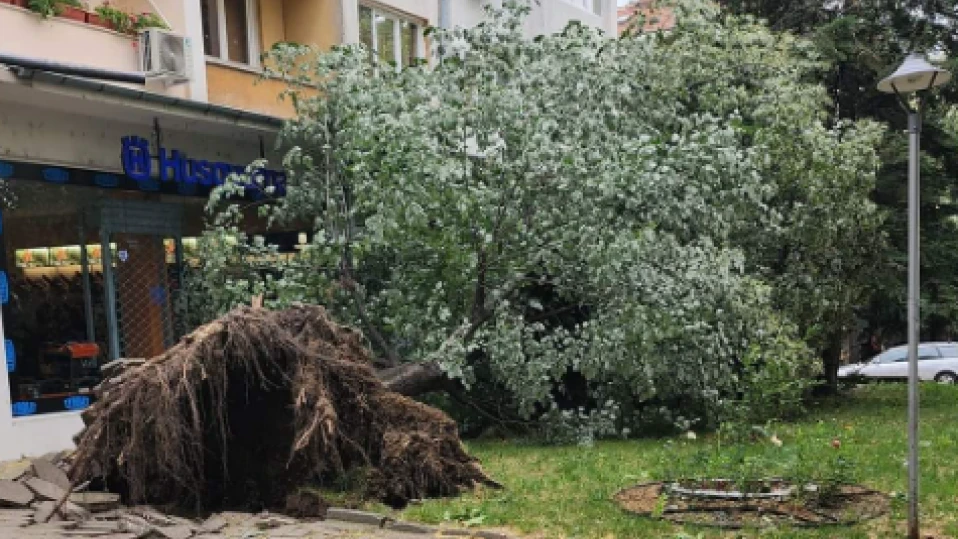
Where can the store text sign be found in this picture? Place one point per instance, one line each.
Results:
(175, 166)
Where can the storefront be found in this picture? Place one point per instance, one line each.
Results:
(103, 199)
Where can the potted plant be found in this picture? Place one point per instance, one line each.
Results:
(71, 9)
(115, 18)
(43, 8)
(147, 20)
(93, 18)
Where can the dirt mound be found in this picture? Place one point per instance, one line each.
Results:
(249, 408)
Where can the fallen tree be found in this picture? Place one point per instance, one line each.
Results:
(256, 404)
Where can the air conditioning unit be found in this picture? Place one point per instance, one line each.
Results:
(166, 56)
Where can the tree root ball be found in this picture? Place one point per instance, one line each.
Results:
(247, 409)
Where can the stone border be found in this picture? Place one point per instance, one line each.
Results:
(354, 516)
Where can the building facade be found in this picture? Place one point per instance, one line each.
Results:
(644, 16)
(103, 177)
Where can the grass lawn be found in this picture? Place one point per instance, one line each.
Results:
(564, 492)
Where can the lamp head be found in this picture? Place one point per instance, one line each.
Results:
(913, 75)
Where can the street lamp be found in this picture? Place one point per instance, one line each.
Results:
(914, 75)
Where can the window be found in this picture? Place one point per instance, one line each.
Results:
(900, 354)
(229, 30)
(391, 38)
(949, 350)
(928, 352)
(592, 6)
(894, 355)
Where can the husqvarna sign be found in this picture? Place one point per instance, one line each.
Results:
(174, 166)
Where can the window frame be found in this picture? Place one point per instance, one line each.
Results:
(252, 36)
(397, 19)
(594, 7)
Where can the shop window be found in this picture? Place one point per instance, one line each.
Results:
(54, 318)
(391, 38)
(229, 30)
(89, 274)
(57, 320)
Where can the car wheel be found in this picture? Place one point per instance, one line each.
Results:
(946, 377)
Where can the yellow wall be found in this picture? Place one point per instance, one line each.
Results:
(271, 24)
(244, 90)
(308, 22)
(313, 22)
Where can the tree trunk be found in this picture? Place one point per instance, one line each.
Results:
(413, 379)
(831, 360)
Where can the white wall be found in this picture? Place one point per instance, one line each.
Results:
(546, 16)
(34, 436)
(57, 39)
(90, 136)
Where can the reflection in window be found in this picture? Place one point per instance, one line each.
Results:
(211, 32)
(228, 30)
(366, 27)
(237, 34)
(408, 36)
(392, 39)
(385, 38)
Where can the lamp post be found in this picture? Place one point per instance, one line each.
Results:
(914, 75)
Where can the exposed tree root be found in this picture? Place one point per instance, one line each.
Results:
(254, 405)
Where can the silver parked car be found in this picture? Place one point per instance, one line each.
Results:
(937, 361)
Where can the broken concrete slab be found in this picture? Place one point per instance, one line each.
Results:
(91, 525)
(408, 527)
(12, 514)
(54, 457)
(14, 469)
(96, 502)
(72, 511)
(134, 524)
(45, 512)
(84, 532)
(151, 515)
(292, 532)
(471, 534)
(272, 521)
(356, 517)
(45, 490)
(174, 532)
(13, 494)
(213, 524)
(49, 472)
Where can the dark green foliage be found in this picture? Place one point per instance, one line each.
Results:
(863, 41)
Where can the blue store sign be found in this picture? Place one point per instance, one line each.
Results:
(23, 408)
(174, 166)
(11, 353)
(76, 402)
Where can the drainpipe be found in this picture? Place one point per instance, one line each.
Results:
(88, 72)
(444, 23)
(444, 15)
